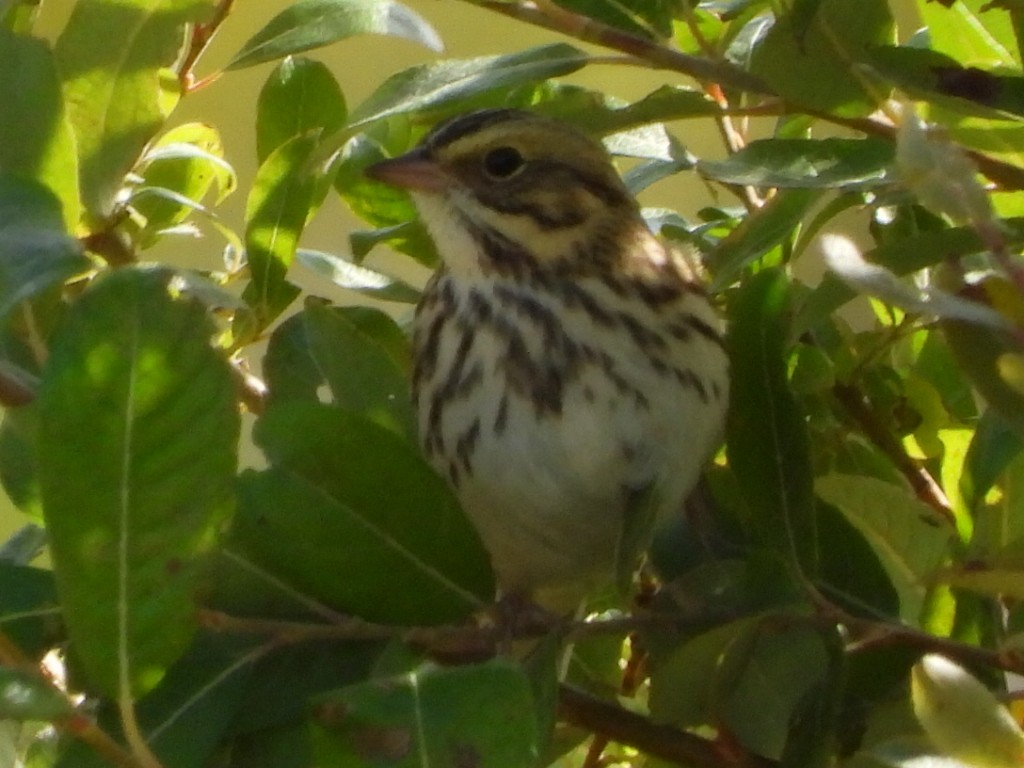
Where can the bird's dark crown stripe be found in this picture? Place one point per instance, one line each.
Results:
(466, 125)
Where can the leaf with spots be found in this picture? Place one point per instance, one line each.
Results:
(138, 429)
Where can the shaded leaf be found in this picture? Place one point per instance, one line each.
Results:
(299, 96)
(815, 163)
(346, 496)
(766, 433)
(137, 440)
(35, 251)
(311, 24)
(763, 230)
(901, 530)
(29, 612)
(445, 717)
(26, 696)
(363, 376)
(119, 95)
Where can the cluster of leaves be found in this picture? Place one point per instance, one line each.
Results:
(867, 502)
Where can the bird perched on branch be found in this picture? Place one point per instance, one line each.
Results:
(569, 373)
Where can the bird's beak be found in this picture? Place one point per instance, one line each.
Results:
(414, 171)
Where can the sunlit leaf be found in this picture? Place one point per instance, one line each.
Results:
(35, 137)
(962, 717)
(118, 95)
(315, 23)
(133, 383)
(300, 95)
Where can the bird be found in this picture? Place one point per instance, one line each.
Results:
(570, 377)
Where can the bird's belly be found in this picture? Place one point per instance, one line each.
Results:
(547, 490)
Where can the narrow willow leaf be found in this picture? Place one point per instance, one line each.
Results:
(136, 450)
(299, 96)
(903, 532)
(766, 434)
(36, 252)
(361, 373)
(962, 717)
(35, 136)
(434, 86)
(113, 59)
(437, 716)
(282, 198)
(820, 163)
(353, 277)
(311, 24)
(186, 162)
(813, 64)
(765, 229)
(345, 501)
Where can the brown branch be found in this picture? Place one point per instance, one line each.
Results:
(662, 741)
(924, 485)
(202, 36)
(591, 31)
(588, 30)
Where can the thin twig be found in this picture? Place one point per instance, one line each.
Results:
(202, 36)
(924, 485)
(662, 741)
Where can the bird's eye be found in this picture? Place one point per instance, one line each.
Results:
(503, 162)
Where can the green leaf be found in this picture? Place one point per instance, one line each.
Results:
(113, 57)
(20, 16)
(29, 613)
(766, 434)
(137, 453)
(35, 136)
(18, 471)
(281, 200)
(814, 64)
(445, 83)
(683, 688)
(299, 96)
(346, 500)
(436, 716)
(813, 163)
(187, 161)
(770, 678)
(763, 230)
(362, 374)
(975, 32)
(962, 717)
(27, 696)
(352, 277)
(35, 251)
(902, 531)
(311, 24)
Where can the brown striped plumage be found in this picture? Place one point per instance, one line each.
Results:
(565, 361)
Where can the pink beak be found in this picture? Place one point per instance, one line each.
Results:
(413, 171)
